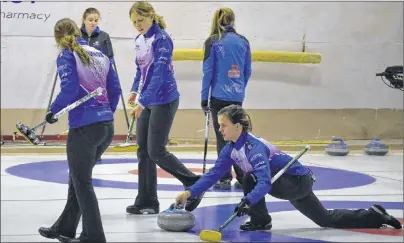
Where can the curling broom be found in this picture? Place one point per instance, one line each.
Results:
(29, 133)
(205, 152)
(127, 146)
(216, 236)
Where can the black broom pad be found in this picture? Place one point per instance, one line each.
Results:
(28, 133)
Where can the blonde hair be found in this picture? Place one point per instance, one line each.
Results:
(90, 11)
(221, 18)
(145, 9)
(65, 33)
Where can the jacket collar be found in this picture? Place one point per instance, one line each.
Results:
(153, 30)
(229, 28)
(84, 31)
(240, 141)
(81, 40)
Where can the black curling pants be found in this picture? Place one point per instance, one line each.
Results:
(85, 145)
(215, 106)
(152, 130)
(298, 190)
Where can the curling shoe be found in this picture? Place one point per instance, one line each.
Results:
(389, 219)
(133, 209)
(248, 226)
(49, 233)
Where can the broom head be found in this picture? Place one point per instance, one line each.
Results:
(125, 147)
(210, 235)
(27, 133)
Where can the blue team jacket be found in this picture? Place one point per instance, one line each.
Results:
(226, 66)
(253, 155)
(154, 82)
(78, 80)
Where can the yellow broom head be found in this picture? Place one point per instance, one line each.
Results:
(210, 235)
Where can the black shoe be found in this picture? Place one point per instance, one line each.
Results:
(48, 232)
(65, 239)
(248, 226)
(389, 219)
(223, 185)
(133, 209)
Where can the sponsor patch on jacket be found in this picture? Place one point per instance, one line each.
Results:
(234, 72)
(261, 164)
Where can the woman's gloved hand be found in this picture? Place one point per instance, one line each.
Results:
(181, 198)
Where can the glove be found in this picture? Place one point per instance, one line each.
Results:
(205, 106)
(242, 208)
(49, 118)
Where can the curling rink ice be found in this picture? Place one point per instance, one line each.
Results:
(34, 190)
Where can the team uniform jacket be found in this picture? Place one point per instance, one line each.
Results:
(154, 82)
(78, 80)
(100, 40)
(253, 155)
(226, 66)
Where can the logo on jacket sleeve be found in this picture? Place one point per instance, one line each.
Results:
(249, 146)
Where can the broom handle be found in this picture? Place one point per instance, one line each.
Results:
(130, 129)
(122, 99)
(50, 99)
(70, 107)
(272, 181)
(205, 152)
(227, 222)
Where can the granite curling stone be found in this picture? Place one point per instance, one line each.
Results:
(175, 219)
(337, 147)
(376, 148)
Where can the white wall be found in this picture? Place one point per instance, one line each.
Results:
(356, 39)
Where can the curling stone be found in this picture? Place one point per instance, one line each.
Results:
(175, 219)
(376, 148)
(337, 148)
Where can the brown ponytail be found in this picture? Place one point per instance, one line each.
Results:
(65, 33)
(69, 42)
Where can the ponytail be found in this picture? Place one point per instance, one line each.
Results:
(65, 33)
(69, 42)
(247, 126)
(222, 18)
(160, 21)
